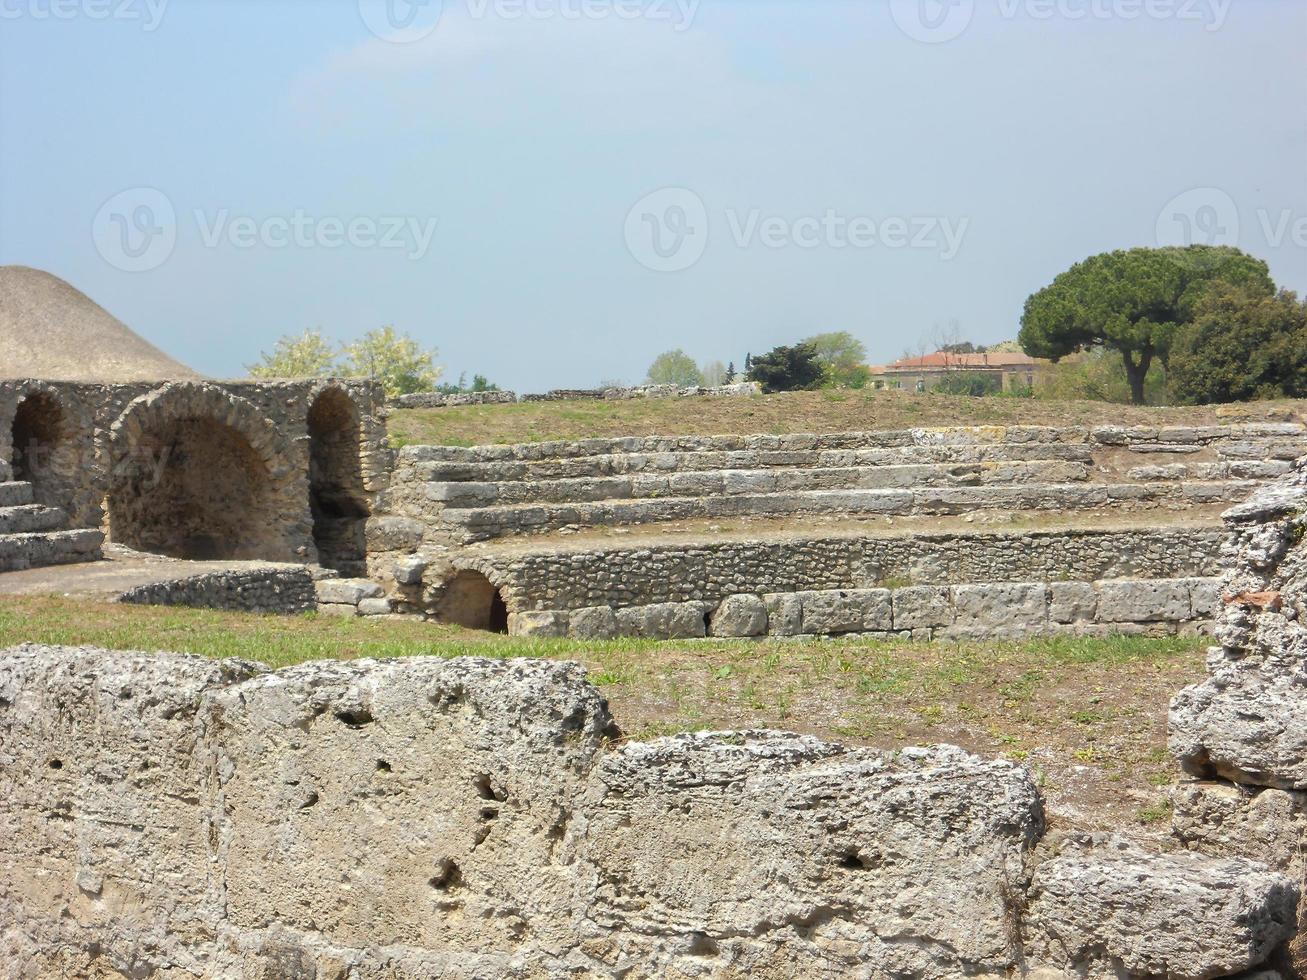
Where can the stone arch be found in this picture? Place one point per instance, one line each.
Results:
(473, 601)
(199, 473)
(338, 501)
(39, 436)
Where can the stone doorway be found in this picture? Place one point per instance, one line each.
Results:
(337, 498)
(38, 432)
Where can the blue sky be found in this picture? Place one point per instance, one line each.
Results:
(882, 166)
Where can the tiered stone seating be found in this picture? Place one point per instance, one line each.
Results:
(32, 535)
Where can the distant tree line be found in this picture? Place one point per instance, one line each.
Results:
(826, 360)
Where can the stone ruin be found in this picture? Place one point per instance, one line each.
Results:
(169, 816)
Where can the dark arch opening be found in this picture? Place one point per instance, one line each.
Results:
(194, 488)
(472, 601)
(37, 433)
(337, 498)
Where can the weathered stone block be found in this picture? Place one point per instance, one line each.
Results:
(922, 607)
(1106, 905)
(999, 606)
(374, 607)
(851, 611)
(853, 831)
(1143, 601)
(739, 615)
(784, 614)
(592, 623)
(350, 591)
(409, 571)
(663, 621)
(1072, 602)
(541, 624)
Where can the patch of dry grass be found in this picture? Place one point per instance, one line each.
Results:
(803, 411)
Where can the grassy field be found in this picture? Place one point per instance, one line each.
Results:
(1087, 716)
(806, 411)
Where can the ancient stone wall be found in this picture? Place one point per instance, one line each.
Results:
(1242, 733)
(190, 467)
(276, 589)
(172, 817)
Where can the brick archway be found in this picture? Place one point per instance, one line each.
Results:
(199, 473)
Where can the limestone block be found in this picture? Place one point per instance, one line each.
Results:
(1143, 601)
(1106, 907)
(1072, 602)
(1204, 597)
(350, 591)
(922, 607)
(415, 801)
(541, 624)
(847, 611)
(739, 615)
(784, 614)
(105, 834)
(1227, 820)
(663, 621)
(1247, 722)
(883, 849)
(409, 571)
(592, 623)
(1000, 606)
(390, 533)
(374, 607)
(343, 609)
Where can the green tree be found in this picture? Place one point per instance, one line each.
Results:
(1132, 302)
(730, 375)
(713, 374)
(974, 383)
(307, 355)
(1241, 345)
(787, 369)
(842, 358)
(674, 367)
(395, 360)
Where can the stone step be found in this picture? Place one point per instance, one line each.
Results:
(626, 464)
(30, 518)
(1283, 437)
(15, 494)
(485, 523)
(715, 483)
(18, 551)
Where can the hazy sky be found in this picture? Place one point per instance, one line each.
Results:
(553, 191)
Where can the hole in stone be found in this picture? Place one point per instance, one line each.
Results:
(853, 861)
(383, 765)
(471, 601)
(483, 787)
(447, 877)
(489, 813)
(354, 719)
(309, 801)
(56, 764)
(702, 945)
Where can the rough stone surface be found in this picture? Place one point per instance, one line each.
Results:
(1107, 908)
(174, 817)
(350, 591)
(1248, 721)
(739, 615)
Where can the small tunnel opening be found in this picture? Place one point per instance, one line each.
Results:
(37, 432)
(337, 497)
(194, 488)
(472, 601)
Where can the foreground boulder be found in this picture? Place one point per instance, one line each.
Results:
(171, 817)
(1105, 907)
